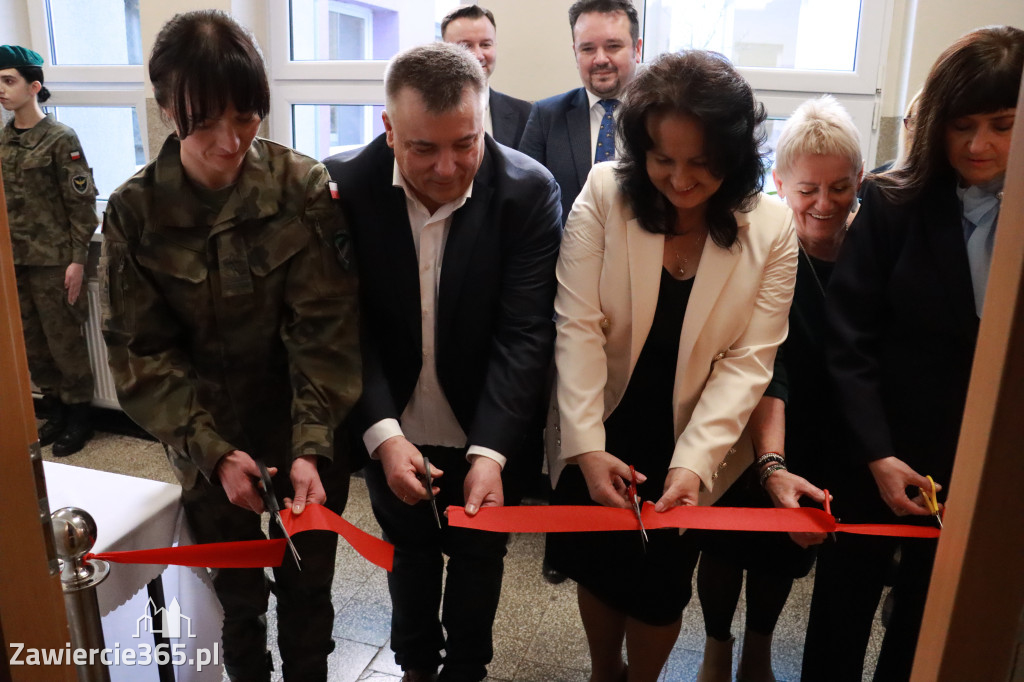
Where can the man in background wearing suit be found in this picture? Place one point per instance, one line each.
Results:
(473, 27)
(456, 238)
(568, 133)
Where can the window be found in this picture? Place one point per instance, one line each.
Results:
(327, 61)
(92, 55)
(325, 129)
(113, 157)
(789, 50)
(94, 32)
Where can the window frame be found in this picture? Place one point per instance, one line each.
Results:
(283, 69)
(100, 85)
(60, 76)
(782, 90)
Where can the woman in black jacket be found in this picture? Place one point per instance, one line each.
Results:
(904, 305)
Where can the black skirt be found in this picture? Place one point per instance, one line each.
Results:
(651, 585)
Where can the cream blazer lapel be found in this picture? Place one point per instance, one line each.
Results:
(646, 255)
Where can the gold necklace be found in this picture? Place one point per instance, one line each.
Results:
(683, 261)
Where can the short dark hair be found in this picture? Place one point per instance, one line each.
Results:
(203, 61)
(466, 12)
(606, 7)
(703, 86)
(439, 72)
(32, 74)
(978, 74)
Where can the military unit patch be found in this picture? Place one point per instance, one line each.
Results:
(80, 183)
(333, 186)
(76, 155)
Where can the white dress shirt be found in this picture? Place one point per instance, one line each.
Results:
(428, 418)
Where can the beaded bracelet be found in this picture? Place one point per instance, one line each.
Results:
(770, 457)
(767, 473)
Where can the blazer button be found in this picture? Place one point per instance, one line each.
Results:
(714, 476)
(558, 441)
(605, 323)
(732, 451)
(723, 465)
(719, 356)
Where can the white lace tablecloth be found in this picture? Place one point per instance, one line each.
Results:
(136, 513)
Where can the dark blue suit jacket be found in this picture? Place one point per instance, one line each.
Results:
(508, 118)
(495, 300)
(558, 135)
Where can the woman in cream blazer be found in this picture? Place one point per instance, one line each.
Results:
(712, 254)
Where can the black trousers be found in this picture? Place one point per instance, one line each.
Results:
(305, 614)
(471, 589)
(847, 587)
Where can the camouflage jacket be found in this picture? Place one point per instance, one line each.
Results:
(237, 329)
(51, 198)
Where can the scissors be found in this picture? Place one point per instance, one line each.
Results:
(266, 490)
(931, 501)
(634, 500)
(430, 490)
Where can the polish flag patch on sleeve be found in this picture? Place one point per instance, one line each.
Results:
(333, 186)
(76, 155)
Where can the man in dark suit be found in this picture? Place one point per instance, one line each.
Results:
(456, 238)
(473, 27)
(570, 132)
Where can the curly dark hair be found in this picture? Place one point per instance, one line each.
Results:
(704, 86)
(978, 74)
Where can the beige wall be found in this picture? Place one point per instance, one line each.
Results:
(13, 23)
(535, 58)
(922, 29)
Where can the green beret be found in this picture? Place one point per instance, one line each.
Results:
(15, 55)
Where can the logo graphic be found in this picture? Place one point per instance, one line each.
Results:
(164, 621)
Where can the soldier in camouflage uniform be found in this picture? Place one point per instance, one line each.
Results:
(230, 314)
(51, 207)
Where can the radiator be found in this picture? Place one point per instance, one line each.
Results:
(105, 395)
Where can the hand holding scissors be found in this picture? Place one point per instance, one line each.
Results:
(634, 500)
(266, 490)
(428, 481)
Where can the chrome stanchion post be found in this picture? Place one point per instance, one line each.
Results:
(74, 534)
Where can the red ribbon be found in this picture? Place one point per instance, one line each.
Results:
(260, 553)
(573, 519)
(318, 517)
(246, 554)
(549, 519)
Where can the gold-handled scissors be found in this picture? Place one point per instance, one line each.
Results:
(266, 490)
(931, 501)
(429, 482)
(634, 499)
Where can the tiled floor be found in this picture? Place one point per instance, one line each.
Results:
(537, 632)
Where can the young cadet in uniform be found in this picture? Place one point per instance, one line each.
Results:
(231, 320)
(51, 207)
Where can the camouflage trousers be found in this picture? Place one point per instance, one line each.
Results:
(58, 357)
(305, 612)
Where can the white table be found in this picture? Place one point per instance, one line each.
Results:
(135, 513)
